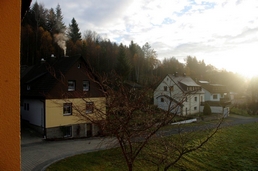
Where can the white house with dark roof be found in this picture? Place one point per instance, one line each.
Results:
(179, 94)
(217, 96)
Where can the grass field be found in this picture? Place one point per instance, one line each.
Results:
(232, 148)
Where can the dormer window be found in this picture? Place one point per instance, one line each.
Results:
(86, 85)
(71, 85)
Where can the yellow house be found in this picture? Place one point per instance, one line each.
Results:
(61, 99)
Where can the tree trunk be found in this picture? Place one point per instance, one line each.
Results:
(130, 166)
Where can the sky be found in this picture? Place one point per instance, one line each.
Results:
(223, 33)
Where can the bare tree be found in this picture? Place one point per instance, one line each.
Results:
(165, 151)
(135, 122)
(130, 117)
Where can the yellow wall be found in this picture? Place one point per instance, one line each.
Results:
(9, 85)
(54, 111)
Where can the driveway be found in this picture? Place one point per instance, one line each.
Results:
(37, 154)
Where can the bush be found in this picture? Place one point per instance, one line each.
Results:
(207, 109)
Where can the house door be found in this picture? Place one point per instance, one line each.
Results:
(89, 130)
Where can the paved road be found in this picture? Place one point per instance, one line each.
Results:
(37, 154)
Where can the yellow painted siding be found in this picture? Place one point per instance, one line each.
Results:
(54, 111)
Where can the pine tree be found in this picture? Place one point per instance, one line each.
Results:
(74, 32)
(51, 21)
(60, 26)
(122, 67)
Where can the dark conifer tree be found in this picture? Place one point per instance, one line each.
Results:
(74, 32)
(122, 67)
(60, 25)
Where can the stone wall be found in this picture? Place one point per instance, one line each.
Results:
(78, 131)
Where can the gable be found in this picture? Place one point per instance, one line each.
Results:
(50, 79)
(185, 83)
(78, 73)
(167, 82)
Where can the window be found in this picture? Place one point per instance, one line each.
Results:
(67, 109)
(79, 65)
(195, 99)
(86, 85)
(195, 108)
(165, 88)
(215, 96)
(186, 99)
(162, 99)
(67, 131)
(171, 88)
(71, 85)
(89, 107)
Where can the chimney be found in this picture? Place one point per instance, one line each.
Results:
(42, 60)
(52, 58)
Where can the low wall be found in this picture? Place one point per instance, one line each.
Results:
(78, 131)
(185, 121)
(217, 109)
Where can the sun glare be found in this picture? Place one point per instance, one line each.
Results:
(241, 60)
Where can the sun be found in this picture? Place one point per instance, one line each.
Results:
(241, 60)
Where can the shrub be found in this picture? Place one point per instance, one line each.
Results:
(207, 109)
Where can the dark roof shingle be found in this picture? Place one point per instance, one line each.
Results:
(42, 77)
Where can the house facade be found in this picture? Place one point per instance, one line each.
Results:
(217, 96)
(59, 99)
(213, 92)
(179, 95)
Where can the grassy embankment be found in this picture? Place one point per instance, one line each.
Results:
(233, 148)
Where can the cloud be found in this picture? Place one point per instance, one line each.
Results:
(207, 29)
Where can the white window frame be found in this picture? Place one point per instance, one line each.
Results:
(88, 111)
(71, 85)
(86, 85)
(67, 109)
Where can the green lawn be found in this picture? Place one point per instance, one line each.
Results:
(234, 148)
